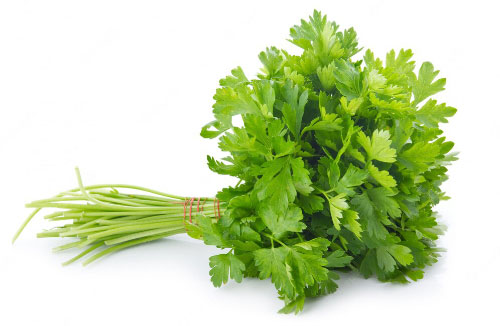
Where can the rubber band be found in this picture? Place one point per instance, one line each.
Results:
(200, 205)
(184, 217)
(190, 208)
(203, 204)
(218, 209)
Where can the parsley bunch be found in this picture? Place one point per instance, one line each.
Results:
(339, 161)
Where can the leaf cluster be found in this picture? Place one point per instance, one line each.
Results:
(340, 163)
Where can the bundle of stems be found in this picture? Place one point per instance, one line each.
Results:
(103, 219)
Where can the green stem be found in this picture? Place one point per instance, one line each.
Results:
(100, 216)
(170, 231)
(122, 246)
(26, 221)
(274, 239)
(83, 253)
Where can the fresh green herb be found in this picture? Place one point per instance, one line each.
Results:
(339, 166)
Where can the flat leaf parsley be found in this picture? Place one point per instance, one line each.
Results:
(339, 162)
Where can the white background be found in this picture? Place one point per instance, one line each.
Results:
(122, 88)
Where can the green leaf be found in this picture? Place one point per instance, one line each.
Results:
(420, 156)
(222, 124)
(383, 201)
(280, 223)
(369, 264)
(307, 267)
(282, 147)
(385, 260)
(293, 109)
(265, 95)
(430, 114)
(276, 184)
(353, 105)
(336, 215)
(337, 205)
(233, 101)
(352, 178)
(400, 64)
(239, 141)
(221, 168)
(212, 234)
(424, 86)
(387, 257)
(382, 177)
(291, 270)
(324, 287)
(348, 79)
(224, 266)
(237, 77)
(371, 62)
(272, 61)
(415, 275)
(376, 82)
(311, 204)
(339, 201)
(272, 263)
(328, 171)
(338, 259)
(300, 176)
(378, 146)
(316, 245)
(368, 216)
(351, 223)
(401, 253)
(256, 127)
(330, 123)
(349, 42)
(309, 31)
(326, 78)
(295, 306)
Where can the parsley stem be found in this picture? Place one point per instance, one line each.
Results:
(273, 238)
(100, 216)
(124, 245)
(133, 236)
(83, 253)
(346, 143)
(21, 228)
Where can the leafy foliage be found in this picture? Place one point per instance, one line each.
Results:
(339, 167)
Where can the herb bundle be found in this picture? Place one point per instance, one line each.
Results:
(339, 161)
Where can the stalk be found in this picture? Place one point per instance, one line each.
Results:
(102, 220)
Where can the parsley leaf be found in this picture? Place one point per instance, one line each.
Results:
(425, 85)
(378, 146)
(223, 266)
